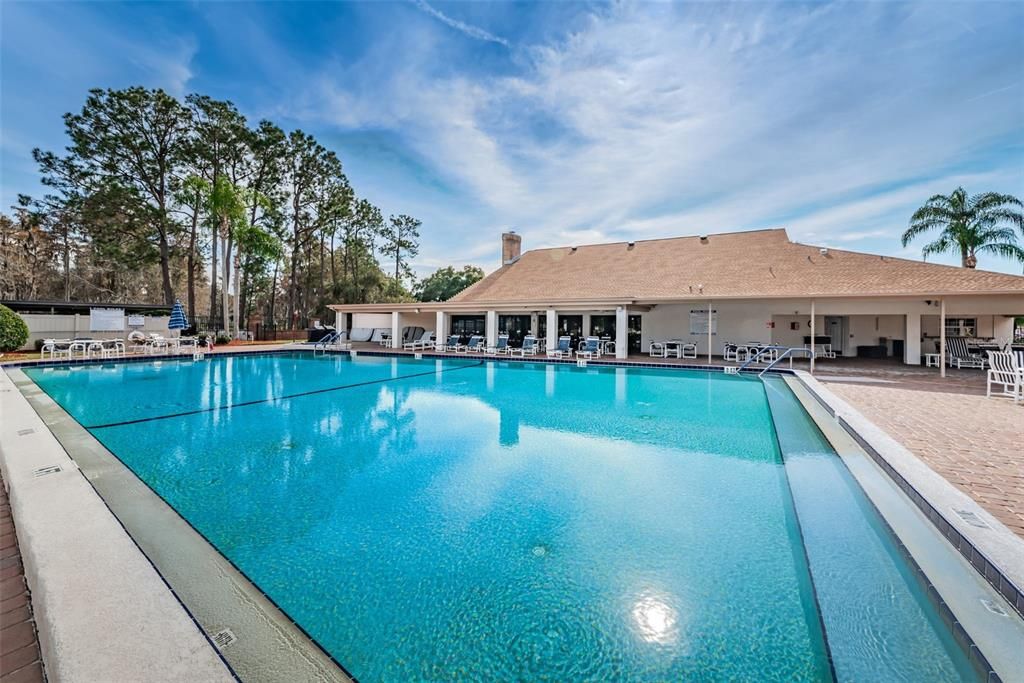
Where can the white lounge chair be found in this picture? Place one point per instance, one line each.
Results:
(591, 348)
(960, 356)
(530, 346)
(501, 347)
(451, 345)
(425, 341)
(563, 350)
(475, 344)
(1006, 370)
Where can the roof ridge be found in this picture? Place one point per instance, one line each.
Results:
(660, 239)
(958, 269)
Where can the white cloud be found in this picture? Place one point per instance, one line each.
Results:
(468, 29)
(654, 120)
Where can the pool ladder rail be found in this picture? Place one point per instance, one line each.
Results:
(787, 352)
(332, 342)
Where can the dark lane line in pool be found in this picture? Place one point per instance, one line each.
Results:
(279, 398)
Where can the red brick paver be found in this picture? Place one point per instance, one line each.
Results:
(976, 443)
(19, 649)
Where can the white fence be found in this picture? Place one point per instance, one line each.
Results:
(47, 326)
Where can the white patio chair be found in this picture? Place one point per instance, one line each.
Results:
(56, 348)
(658, 349)
(1005, 370)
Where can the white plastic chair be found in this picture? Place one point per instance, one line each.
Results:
(1005, 370)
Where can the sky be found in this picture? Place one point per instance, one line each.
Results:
(572, 123)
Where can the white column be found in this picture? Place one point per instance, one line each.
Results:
(710, 314)
(621, 333)
(534, 323)
(912, 342)
(586, 325)
(491, 328)
(340, 321)
(552, 340)
(396, 330)
(942, 337)
(813, 331)
(441, 327)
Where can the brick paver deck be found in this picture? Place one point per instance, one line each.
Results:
(976, 443)
(19, 649)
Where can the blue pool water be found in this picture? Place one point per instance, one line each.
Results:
(469, 520)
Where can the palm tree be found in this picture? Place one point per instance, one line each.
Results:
(970, 225)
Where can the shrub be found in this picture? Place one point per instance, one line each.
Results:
(223, 338)
(13, 330)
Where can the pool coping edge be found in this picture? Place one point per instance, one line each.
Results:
(242, 605)
(72, 544)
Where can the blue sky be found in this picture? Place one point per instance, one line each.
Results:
(573, 123)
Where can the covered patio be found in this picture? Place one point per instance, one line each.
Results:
(824, 332)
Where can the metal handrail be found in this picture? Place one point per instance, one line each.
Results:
(326, 341)
(787, 352)
(761, 351)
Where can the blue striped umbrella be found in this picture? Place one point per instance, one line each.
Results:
(178, 320)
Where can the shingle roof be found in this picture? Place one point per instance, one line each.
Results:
(761, 263)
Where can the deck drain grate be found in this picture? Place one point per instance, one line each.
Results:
(994, 608)
(26, 432)
(43, 471)
(223, 638)
(971, 518)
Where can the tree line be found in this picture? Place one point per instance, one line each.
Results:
(156, 199)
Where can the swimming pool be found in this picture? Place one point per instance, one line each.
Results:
(458, 518)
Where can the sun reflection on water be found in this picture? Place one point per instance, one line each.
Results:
(655, 620)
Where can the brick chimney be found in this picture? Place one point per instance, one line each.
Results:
(511, 247)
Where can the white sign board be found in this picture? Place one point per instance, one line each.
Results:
(136, 320)
(699, 321)
(106, 320)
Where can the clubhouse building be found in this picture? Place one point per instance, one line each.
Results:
(710, 291)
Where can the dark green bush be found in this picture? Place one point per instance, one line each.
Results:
(13, 330)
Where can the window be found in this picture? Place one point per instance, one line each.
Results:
(570, 324)
(602, 326)
(961, 327)
(515, 326)
(467, 325)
